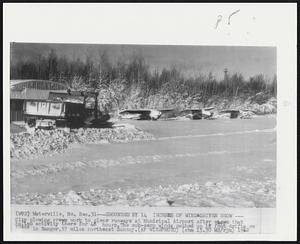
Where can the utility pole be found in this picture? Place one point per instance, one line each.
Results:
(225, 74)
(96, 105)
(226, 80)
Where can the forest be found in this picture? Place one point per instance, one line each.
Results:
(132, 83)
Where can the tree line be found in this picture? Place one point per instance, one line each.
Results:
(135, 72)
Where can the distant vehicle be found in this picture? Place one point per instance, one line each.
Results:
(191, 113)
(168, 113)
(140, 114)
(195, 114)
(154, 114)
(233, 113)
(206, 113)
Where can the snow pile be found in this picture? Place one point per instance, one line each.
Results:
(25, 145)
(261, 104)
(247, 114)
(249, 193)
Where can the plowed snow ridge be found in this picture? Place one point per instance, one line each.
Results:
(218, 134)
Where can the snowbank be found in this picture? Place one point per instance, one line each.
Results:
(249, 193)
(26, 145)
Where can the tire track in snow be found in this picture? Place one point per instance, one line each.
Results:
(217, 134)
(105, 163)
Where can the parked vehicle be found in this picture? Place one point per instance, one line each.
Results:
(233, 113)
(191, 114)
(140, 114)
(60, 113)
(60, 110)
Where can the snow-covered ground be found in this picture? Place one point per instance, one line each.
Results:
(230, 163)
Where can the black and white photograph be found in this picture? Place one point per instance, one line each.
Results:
(149, 121)
(139, 125)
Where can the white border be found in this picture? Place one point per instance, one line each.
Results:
(183, 24)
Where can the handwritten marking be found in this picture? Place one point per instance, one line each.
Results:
(229, 17)
(218, 21)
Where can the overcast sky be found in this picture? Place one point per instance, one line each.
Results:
(191, 60)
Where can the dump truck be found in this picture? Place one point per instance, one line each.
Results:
(60, 110)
